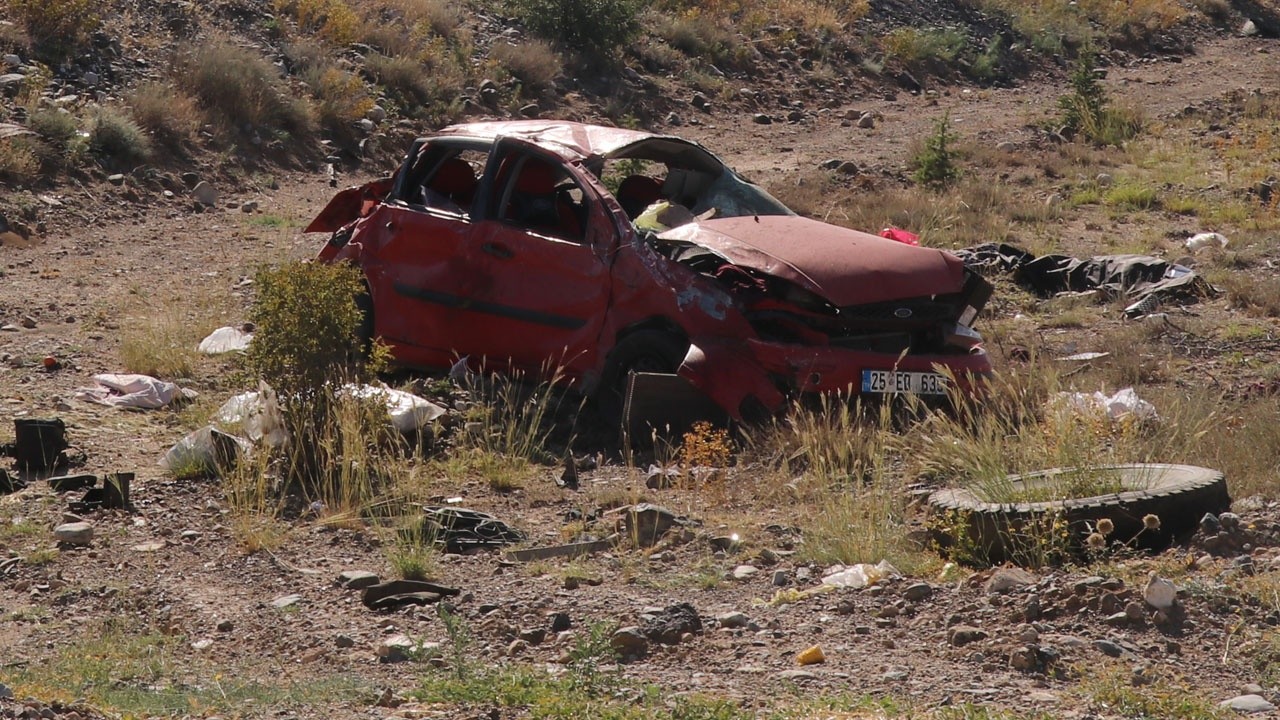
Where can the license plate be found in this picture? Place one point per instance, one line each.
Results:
(901, 381)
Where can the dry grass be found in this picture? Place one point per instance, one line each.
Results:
(169, 114)
(534, 63)
(239, 90)
(57, 28)
(19, 161)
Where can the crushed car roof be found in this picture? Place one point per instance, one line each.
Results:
(583, 139)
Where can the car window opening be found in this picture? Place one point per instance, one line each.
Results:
(542, 198)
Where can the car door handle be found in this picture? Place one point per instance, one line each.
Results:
(497, 250)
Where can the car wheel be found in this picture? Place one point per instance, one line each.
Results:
(652, 351)
(1179, 495)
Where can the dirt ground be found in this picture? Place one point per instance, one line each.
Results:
(175, 569)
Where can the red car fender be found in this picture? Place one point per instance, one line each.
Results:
(350, 204)
(728, 373)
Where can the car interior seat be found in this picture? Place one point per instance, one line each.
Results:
(535, 203)
(637, 192)
(455, 180)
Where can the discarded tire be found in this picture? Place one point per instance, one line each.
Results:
(1179, 495)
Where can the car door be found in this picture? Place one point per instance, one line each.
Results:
(417, 265)
(543, 285)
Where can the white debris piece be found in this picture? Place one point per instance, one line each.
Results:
(1206, 240)
(225, 340)
(860, 575)
(408, 411)
(132, 391)
(1124, 403)
(1160, 593)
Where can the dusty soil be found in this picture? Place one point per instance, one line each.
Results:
(175, 566)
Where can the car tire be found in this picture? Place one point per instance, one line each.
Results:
(1179, 495)
(655, 351)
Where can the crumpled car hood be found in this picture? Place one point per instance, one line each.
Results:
(847, 267)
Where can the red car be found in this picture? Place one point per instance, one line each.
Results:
(606, 251)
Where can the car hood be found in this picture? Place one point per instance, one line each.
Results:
(847, 267)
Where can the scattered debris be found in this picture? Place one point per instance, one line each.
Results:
(227, 339)
(38, 444)
(1124, 403)
(571, 550)
(1160, 593)
(646, 523)
(133, 391)
(860, 575)
(68, 483)
(397, 593)
(811, 656)
(462, 530)
(1206, 240)
(205, 451)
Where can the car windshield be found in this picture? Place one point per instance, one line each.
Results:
(665, 172)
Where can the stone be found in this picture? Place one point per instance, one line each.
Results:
(674, 119)
(1160, 593)
(1209, 524)
(560, 622)
(781, 578)
(344, 641)
(205, 194)
(78, 533)
(376, 113)
(90, 79)
(669, 625)
(831, 164)
(733, 619)
(286, 601)
(1103, 180)
(1006, 146)
(867, 121)
(11, 80)
(724, 543)
(6, 693)
(1248, 704)
(758, 118)
(1249, 29)
(357, 579)
(1006, 579)
(530, 111)
(916, 592)
(1109, 648)
(12, 60)
(533, 636)
(116, 179)
(225, 626)
(365, 125)
(28, 322)
(745, 572)
(517, 647)
(1229, 521)
(249, 207)
(1024, 659)
(960, 635)
(700, 101)
(848, 167)
(794, 675)
(629, 642)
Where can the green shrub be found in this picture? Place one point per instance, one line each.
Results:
(936, 163)
(595, 27)
(54, 127)
(57, 28)
(1086, 111)
(921, 48)
(117, 140)
(428, 91)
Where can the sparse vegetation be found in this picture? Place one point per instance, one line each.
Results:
(936, 164)
(117, 141)
(169, 114)
(240, 92)
(57, 28)
(594, 27)
(533, 63)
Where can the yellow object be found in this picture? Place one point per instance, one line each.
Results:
(811, 656)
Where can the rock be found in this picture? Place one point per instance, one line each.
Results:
(28, 322)
(1109, 648)
(1135, 612)
(365, 125)
(781, 578)
(225, 626)
(6, 693)
(560, 622)
(1209, 524)
(116, 179)
(758, 118)
(1249, 29)
(733, 619)
(90, 79)
(1006, 146)
(832, 164)
(249, 207)
(667, 626)
(1029, 635)
(533, 636)
(646, 523)
(848, 167)
(794, 675)
(1116, 619)
(1248, 704)
(1229, 521)
(1103, 180)
(78, 533)
(745, 572)
(960, 635)
(205, 194)
(190, 179)
(629, 642)
(674, 120)
(1024, 659)
(286, 601)
(11, 80)
(1006, 579)
(376, 113)
(530, 111)
(11, 60)
(795, 116)
(700, 101)
(343, 641)
(356, 579)
(916, 592)
(517, 647)
(867, 121)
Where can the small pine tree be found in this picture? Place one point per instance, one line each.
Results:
(1085, 106)
(936, 163)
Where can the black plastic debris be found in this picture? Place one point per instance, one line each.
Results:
(67, 483)
(39, 445)
(10, 484)
(113, 495)
(460, 529)
(398, 593)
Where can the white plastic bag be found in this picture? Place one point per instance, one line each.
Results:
(408, 412)
(132, 391)
(225, 340)
(1124, 403)
(860, 575)
(1206, 240)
